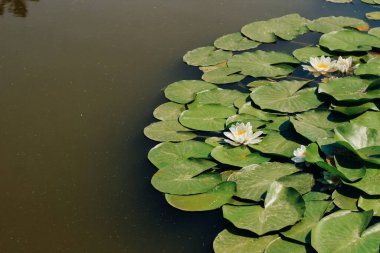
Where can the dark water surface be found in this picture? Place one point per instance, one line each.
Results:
(79, 80)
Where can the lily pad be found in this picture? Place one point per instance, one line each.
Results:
(331, 24)
(314, 124)
(263, 64)
(370, 204)
(374, 15)
(185, 91)
(286, 27)
(206, 117)
(218, 96)
(352, 168)
(286, 96)
(210, 200)
(370, 183)
(283, 207)
(345, 200)
(349, 41)
(254, 180)
(170, 130)
(237, 156)
(235, 42)
(281, 246)
(245, 118)
(206, 56)
(354, 110)
(276, 144)
(223, 76)
(351, 89)
(168, 111)
(302, 182)
(372, 67)
(191, 153)
(226, 242)
(340, 1)
(345, 231)
(368, 119)
(304, 54)
(375, 31)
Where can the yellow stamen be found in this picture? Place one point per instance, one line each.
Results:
(240, 132)
(322, 65)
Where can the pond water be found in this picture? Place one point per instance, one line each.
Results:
(79, 80)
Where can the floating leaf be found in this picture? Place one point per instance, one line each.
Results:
(375, 15)
(375, 31)
(237, 156)
(191, 153)
(245, 118)
(217, 97)
(281, 246)
(282, 207)
(349, 41)
(370, 204)
(169, 130)
(368, 119)
(206, 56)
(314, 124)
(361, 140)
(247, 108)
(275, 143)
(304, 54)
(353, 169)
(353, 110)
(286, 96)
(210, 200)
(370, 183)
(226, 242)
(206, 117)
(185, 91)
(315, 209)
(168, 111)
(345, 231)
(223, 76)
(340, 1)
(345, 199)
(235, 42)
(263, 64)
(313, 196)
(372, 67)
(254, 180)
(259, 83)
(286, 27)
(302, 182)
(350, 89)
(184, 180)
(330, 24)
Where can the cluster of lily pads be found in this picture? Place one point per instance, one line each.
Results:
(287, 145)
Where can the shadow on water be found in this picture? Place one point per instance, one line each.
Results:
(17, 7)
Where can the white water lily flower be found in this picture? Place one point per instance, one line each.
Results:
(322, 65)
(344, 65)
(299, 154)
(242, 134)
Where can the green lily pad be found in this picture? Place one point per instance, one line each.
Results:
(370, 183)
(214, 141)
(170, 130)
(340, 1)
(237, 156)
(368, 119)
(331, 24)
(374, 15)
(168, 111)
(185, 91)
(263, 64)
(276, 144)
(345, 231)
(346, 200)
(314, 211)
(235, 42)
(184, 180)
(218, 96)
(223, 76)
(370, 204)
(247, 108)
(302, 182)
(286, 27)
(191, 153)
(206, 56)
(210, 200)
(352, 168)
(375, 31)
(314, 196)
(245, 118)
(259, 83)
(369, 1)
(286, 96)
(351, 89)
(281, 246)
(226, 242)
(372, 67)
(354, 110)
(361, 140)
(314, 124)
(349, 41)
(283, 207)
(304, 54)
(254, 180)
(206, 117)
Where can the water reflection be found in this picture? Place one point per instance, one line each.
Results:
(17, 7)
